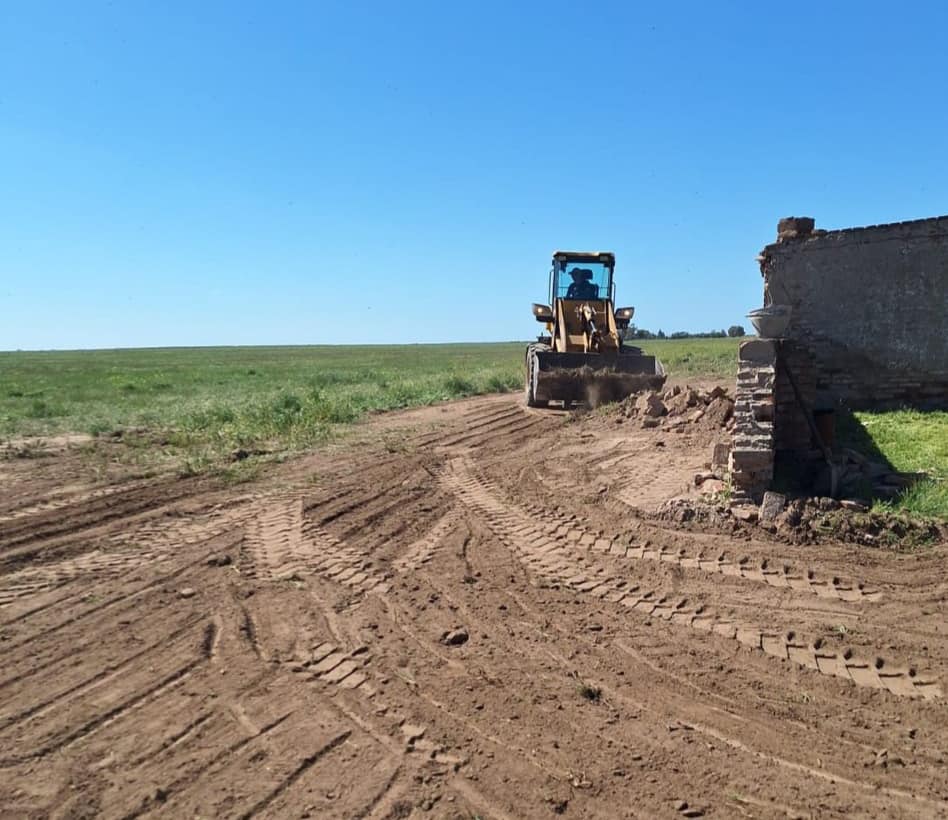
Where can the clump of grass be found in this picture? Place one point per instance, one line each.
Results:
(458, 386)
(927, 498)
(586, 690)
(42, 409)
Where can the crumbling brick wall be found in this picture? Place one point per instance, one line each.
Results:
(869, 324)
(752, 447)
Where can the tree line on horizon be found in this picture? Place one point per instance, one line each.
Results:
(734, 331)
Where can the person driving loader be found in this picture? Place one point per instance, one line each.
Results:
(582, 287)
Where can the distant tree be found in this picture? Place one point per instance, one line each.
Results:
(660, 334)
(680, 334)
(735, 331)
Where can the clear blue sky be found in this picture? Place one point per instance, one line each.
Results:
(316, 172)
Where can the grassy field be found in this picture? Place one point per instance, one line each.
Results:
(696, 357)
(208, 401)
(243, 395)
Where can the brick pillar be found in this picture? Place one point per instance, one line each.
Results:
(752, 450)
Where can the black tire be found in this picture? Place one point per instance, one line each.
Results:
(530, 388)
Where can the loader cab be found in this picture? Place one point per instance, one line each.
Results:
(585, 276)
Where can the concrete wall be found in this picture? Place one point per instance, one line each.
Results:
(870, 311)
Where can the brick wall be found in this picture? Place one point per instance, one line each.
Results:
(870, 314)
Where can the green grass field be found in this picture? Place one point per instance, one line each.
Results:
(208, 401)
(241, 396)
(696, 357)
(911, 442)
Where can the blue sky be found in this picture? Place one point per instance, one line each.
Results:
(319, 172)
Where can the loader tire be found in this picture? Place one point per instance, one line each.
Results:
(531, 381)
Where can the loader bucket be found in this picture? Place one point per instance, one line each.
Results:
(595, 378)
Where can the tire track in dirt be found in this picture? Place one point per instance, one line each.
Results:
(651, 740)
(492, 434)
(279, 545)
(423, 550)
(85, 514)
(656, 546)
(783, 576)
(556, 562)
(150, 804)
(543, 618)
(88, 680)
(342, 673)
(779, 760)
(475, 420)
(31, 581)
(52, 502)
(308, 762)
(63, 735)
(122, 554)
(126, 600)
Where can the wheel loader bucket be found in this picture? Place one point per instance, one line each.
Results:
(594, 378)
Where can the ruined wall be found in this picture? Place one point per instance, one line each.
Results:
(870, 313)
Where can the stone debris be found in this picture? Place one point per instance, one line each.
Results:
(853, 504)
(456, 637)
(719, 458)
(650, 404)
(795, 227)
(771, 507)
(859, 476)
(675, 408)
(745, 512)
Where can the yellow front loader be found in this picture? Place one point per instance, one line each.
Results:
(583, 356)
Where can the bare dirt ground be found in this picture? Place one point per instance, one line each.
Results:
(465, 611)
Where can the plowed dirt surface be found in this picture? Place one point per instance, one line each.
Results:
(467, 610)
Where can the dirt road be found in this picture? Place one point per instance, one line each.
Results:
(465, 611)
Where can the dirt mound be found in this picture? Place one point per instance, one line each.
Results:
(823, 519)
(801, 521)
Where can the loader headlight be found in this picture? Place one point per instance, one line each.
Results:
(543, 313)
(624, 316)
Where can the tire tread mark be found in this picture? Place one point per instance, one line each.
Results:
(109, 671)
(555, 561)
(148, 803)
(305, 765)
(101, 720)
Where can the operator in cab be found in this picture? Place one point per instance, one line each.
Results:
(582, 287)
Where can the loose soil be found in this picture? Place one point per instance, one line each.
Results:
(469, 610)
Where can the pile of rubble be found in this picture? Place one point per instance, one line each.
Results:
(861, 477)
(674, 408)
(809, 520)
(804, 520)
